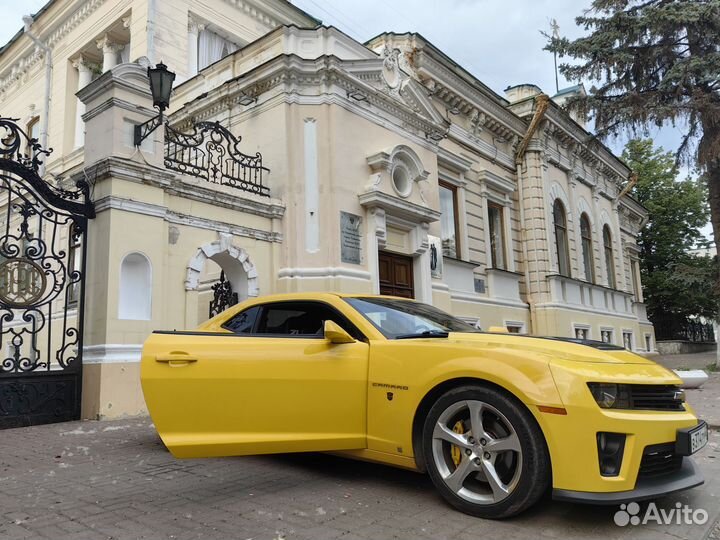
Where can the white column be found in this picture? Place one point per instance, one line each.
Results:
(110, 52)
(192, 52)
(84, 78)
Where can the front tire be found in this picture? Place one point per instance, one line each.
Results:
(485, 453)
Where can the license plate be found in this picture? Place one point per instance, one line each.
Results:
(690, 440)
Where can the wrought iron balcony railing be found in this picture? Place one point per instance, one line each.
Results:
(211, 152)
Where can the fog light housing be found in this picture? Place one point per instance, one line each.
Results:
(611, 447)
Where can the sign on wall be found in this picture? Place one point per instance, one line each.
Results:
(350, 238)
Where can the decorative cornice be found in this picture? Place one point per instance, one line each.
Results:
(260, 14)
(503, 185)
(290, 74)
(402, 208)
(442, 79)
(133, 171)
(131, 77)
(112, 202)
(587, 148)
(453, 161)
(485, 149)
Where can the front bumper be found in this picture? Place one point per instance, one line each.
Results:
(572, 438)
(688, 476)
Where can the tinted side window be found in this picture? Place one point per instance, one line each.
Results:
(243, 322)
(299, 319)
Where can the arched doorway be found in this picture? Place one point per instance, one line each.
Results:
(219, 275)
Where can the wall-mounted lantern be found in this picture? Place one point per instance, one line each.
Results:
(161, 81)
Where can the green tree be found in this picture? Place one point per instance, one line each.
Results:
(654, 62)
(676, 285)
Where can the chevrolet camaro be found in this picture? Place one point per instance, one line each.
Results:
(495, 419)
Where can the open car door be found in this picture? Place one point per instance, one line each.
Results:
(270, 382)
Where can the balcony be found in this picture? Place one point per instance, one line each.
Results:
(565, 290)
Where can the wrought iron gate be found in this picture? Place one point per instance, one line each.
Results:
(43, 231)
(223, 296)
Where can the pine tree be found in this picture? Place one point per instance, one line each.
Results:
(654, 62)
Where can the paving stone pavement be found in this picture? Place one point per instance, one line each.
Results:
(115, 480)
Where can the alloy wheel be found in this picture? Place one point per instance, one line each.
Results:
(477, 452)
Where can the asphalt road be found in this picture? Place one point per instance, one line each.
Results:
(115, 480)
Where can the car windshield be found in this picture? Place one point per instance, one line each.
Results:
(399, 319)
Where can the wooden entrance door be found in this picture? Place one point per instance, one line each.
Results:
(396, 275)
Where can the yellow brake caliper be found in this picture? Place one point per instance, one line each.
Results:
(455, 451)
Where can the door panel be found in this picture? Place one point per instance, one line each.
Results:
(224, 394)
(396, 275)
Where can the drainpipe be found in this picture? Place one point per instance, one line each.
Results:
(27, 21)
(541, 104)
(632, 180)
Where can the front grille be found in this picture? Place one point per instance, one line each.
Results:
(659, 459)
(656, 397)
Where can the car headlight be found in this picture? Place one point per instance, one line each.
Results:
(611, 396)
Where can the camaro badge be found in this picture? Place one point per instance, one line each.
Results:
(389, 386)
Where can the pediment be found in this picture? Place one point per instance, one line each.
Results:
(397, 83)
(416, 96)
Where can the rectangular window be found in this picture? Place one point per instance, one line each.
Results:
(449, 221)
(514, 329)
(212, 47)
(648, 342)
(243, 322)
(587, 248)
(497, 236)
(582, 332)
(300, 319)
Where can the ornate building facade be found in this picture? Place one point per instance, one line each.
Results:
(298, 159)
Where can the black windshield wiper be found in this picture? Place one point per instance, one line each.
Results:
(426, 333)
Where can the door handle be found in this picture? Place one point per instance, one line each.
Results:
(176, 359)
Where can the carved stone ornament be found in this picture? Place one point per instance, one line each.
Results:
(391, 68)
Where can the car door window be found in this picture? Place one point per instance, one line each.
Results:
(305, 319)
(243, 322)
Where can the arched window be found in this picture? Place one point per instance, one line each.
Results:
(609, 262)
(135, 298)
(561, 238)
(587, 249)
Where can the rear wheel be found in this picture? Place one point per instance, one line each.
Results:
(485, 453)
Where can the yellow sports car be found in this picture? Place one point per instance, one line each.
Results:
(496, 420)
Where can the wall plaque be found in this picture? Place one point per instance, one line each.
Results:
(350, 238)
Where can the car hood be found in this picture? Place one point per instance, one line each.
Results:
(560, 348)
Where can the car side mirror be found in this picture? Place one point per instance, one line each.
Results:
(334, 333)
